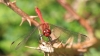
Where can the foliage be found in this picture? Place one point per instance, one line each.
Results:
(53, 13)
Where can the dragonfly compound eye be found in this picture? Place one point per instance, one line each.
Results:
(46, 32)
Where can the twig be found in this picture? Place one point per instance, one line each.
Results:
(81, 20)
(16, 9)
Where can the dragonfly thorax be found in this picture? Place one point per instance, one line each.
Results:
(46, 32)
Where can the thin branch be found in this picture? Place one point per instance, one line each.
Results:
(84, 23)
(80, 19)
(16, 9)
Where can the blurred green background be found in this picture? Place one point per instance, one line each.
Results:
(53, 13)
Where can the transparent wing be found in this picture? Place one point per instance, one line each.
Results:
(31, 40)
(64, 35)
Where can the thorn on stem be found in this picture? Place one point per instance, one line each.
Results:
(60, 44)
(33, 47)
(29, 21)
(14, 2)
(23, 19)
(69, 42)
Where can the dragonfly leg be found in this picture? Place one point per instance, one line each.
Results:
(50, 39)
(40, 36)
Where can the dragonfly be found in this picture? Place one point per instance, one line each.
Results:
(45, 26)
(52, 32)
(56, 31)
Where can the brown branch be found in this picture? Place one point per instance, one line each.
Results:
(16, 9)
(80, 19)
(84, 23)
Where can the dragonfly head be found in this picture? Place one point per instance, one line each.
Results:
(46, 32)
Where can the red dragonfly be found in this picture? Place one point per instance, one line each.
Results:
(49, 30)
(45, 26)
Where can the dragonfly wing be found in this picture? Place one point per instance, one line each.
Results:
(30, 39)
(59, 33)
(64, 35)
